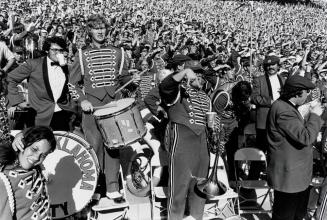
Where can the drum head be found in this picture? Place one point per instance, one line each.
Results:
(220, 101)
(121, 104)
(72, 173)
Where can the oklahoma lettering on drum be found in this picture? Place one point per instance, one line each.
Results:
(72, 171)
(83, 158)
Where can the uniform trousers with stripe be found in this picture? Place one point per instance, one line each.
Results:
(109, 160)
(189, 160)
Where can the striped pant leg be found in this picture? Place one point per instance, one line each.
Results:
(189, 160)
(321, 212)
(179, 175)
(199, 170)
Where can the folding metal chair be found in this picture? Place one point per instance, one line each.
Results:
(248, 155)
(248, 132)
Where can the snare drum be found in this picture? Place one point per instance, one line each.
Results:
(72, 171)
(121, 125)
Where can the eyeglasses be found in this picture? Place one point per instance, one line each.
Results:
(56, 50)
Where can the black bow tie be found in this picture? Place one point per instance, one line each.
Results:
(54, 64)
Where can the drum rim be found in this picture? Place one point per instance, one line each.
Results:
(83, 142)
(126, 144)
(99, 117)
(79, 139)
(216, 95)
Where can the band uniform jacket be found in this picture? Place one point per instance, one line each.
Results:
(186, 106)
(290, 139)
(261, 97)
(39, 90)
(101, 72)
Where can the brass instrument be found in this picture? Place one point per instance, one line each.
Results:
(212, 187)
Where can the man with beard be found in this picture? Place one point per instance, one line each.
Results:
(266, 90)
(100, 67)
(186, 138)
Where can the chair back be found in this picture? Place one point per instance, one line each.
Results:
(249, 153)
(249, 129)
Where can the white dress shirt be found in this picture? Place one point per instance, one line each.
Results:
(275, 86)
(57, 80)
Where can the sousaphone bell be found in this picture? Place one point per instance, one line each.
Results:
(212, 187)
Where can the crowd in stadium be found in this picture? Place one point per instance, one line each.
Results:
(250, 62)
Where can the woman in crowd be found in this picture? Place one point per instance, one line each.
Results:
(23, 189)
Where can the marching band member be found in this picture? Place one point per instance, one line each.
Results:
(160, 118)
(186, 139)
(146, 82)
(102, 67)
(153, 101)
(23, 190)
(234, 115)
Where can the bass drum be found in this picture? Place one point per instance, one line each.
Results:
(72, 171)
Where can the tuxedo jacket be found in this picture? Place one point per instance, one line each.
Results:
(261, 97)
(39, 90)
(290, 139)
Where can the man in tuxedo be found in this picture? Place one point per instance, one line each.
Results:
(48, 94)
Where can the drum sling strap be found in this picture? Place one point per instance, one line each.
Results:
(122, 60)
(9, 190)
(81, 60)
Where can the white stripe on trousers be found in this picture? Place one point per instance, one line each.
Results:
(173, 150)
(323, 208)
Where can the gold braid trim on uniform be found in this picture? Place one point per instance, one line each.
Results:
(10, 192)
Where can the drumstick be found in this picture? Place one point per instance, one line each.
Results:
(109, 105)
(130, 81)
